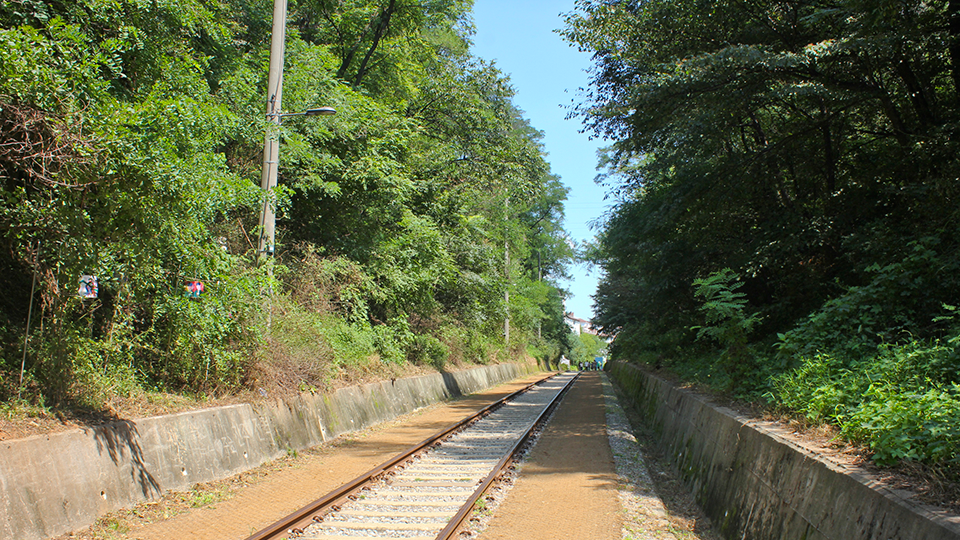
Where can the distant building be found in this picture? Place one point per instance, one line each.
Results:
(582, 326)
(578, 326)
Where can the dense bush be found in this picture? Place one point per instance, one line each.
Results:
(811, 148)
(899, 301)
(903, 401)
(131, 147)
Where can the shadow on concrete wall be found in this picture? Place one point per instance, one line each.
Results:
(543, 363)
(451, 383)
(120, 440)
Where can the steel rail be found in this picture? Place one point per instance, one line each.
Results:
(454, 525)
(305, 516)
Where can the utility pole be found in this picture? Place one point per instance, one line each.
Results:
(506, 270)
(266, 245)
(271, 143)
(539, 278)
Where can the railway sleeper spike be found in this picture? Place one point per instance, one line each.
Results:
(318, 519)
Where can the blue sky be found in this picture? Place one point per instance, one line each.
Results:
(546, 72)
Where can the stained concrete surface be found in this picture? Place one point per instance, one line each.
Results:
(53, 484)
(755, 484)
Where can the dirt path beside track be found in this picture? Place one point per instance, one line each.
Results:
(568, 485)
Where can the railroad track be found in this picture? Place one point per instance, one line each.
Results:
(426, 492)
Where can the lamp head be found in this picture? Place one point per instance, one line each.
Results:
(320, 111)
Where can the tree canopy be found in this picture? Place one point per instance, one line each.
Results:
(787, 182)
(132, 137)
(798, 143)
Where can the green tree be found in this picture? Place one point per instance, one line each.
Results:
(809, 147)
(130, 149)
(790, 141)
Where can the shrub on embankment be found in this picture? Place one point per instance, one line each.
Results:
(882, 361)
(901, 402)
(858, 363)
(740, 146)
(410, 225)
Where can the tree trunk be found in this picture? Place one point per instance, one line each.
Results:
(347, 60)
(921, 103)
(381, 31)
(953, 29)
(352, 51)
(829, 158)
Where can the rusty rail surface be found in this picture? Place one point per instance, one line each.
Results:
(293, 524)
(455, 523)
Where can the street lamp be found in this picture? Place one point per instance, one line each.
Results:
(268, 180)
(271, 144)
(319, 111)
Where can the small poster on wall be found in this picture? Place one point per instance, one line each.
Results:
(88, 286)
(193, 289)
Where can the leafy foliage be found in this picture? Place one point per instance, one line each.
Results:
(896, 303)
(902, 400)
(131, 150)
(810, 148)
(726, 320)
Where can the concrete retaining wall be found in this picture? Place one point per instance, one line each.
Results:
(757, 485)
(53, 484)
